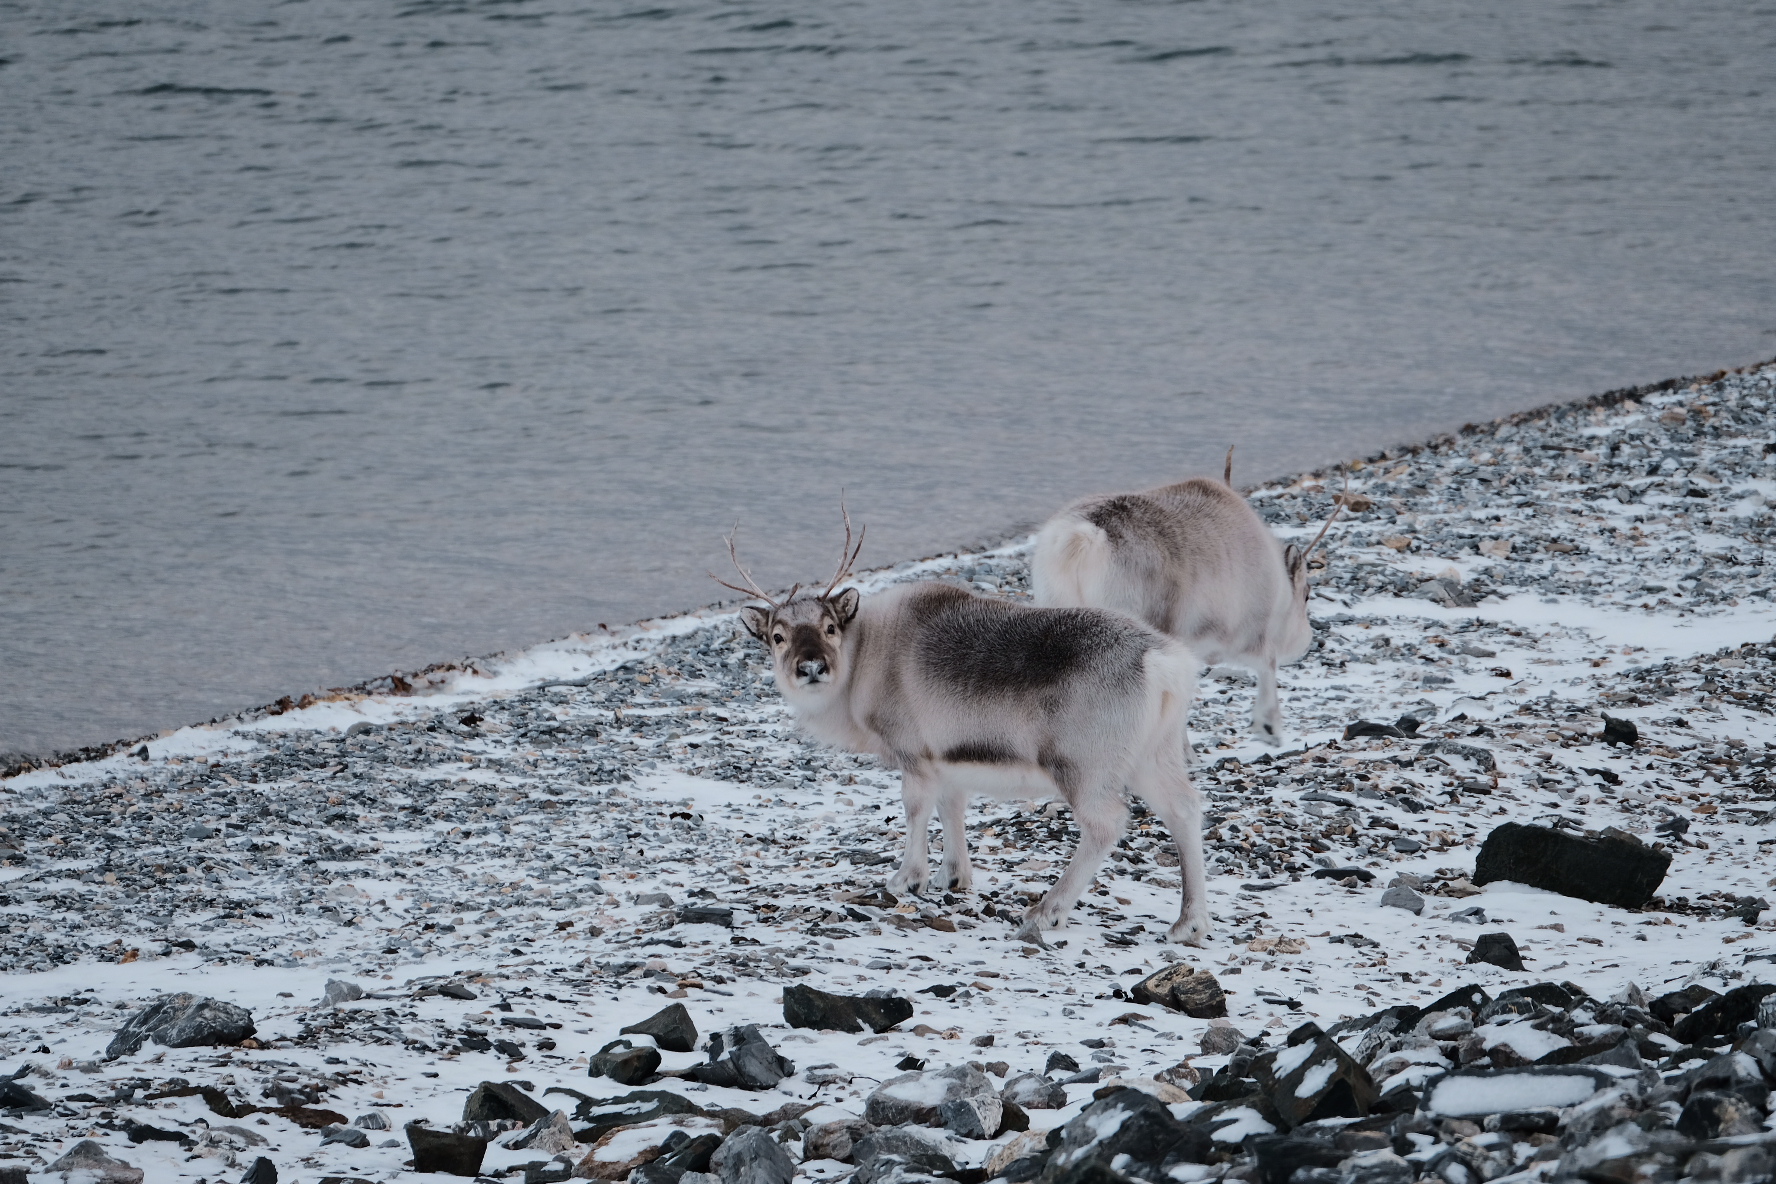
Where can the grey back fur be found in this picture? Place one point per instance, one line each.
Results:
(1193, 560)
(965, 694)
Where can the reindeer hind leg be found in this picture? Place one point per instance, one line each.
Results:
(1164, 784)
(957, 873)
(1102, 816)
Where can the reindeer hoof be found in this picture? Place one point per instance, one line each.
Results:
(903, 883)
(959, 881)
(1190, 932)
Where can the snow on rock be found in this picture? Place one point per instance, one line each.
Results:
(514, 859)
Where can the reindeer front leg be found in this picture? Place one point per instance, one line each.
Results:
(958, 872)
(1267, 712)
(918, 793)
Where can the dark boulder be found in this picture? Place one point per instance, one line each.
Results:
(1279, 1157)
(16, 1095)
(686, 1155)
(643, 1105)
(740, 1058)
(624, 1063)
(835, 1140)
(1183, 988)
(1720, 1018)
(445, 1151)
(671, 1028)
(1311, 1078)
(751, 1156)
(1121, 1135)
(1033, 1091)
(1711, 1115)
(806, 1007)
(182, 1021)
(1363, 728)
(263, 1171)
(1615, 869)
(898, 1150)
(707, 914)
(1498, 949)
(501, 1101)
(1667, 1007)
(1620, 731)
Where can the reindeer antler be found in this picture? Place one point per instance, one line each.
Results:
(847, 554)
(1227, 470)
(752, 588)
(1337, 509)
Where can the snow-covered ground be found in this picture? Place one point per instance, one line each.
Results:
(530, 827)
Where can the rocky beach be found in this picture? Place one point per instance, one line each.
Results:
(1497, 909)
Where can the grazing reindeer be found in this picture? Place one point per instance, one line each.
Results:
(1193, 560)
(963, 693)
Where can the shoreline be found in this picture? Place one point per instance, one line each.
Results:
(437, 674)
(586, 832)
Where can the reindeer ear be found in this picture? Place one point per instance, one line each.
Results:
(1294, 559)
(757, 620)
(844, 605)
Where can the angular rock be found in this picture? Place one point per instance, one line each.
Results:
(351, 1136)
(751, 1156)
(707, 914)
(1667, 1007)
(501, 1101)
(16, 1095)
(670, 1027)
(806, 1007)
(551, 1134)
(1183, 988)
(624, 1063)
(918, 1098)
(972, 1117)
(1123, 1134)
(1711, 1115)
(687, 1158)
(89, 1162)
(1402, 897)
(1620, 731)
(1473, 753)
(445, 1151)
(339, 991)
(1721, 1017)
(898, 1150)
(1033, 1091)
(1363, 728)
(182, 1021)
(742, 1059)
(1379, 1166)
(263, 1171)
(1060, 1061)
(1218, 1041)
(1029, 1150)
(1497, 949)
(643, 1105)
(374, 1120)
(456, 991)
(834, 1140)
(1311, 1078)
(1280, 1157)
(1613, 869)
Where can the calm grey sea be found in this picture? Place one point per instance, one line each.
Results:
(342, 336)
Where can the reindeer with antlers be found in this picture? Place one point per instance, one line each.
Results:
(1193, 560)
(969, 694)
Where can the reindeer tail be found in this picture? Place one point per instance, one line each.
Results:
(1071, 561)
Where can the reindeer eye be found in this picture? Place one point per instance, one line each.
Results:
(777, 637)
(831, 629)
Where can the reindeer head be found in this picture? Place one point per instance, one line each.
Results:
(805, 634)
(1296, 560)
